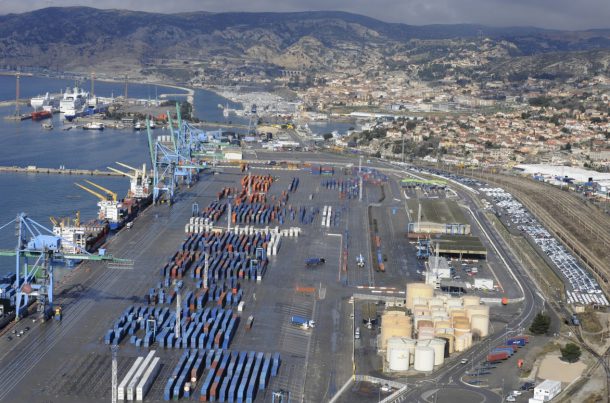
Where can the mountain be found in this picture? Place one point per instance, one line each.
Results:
(119, 40)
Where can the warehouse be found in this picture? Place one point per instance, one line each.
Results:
(437, 216)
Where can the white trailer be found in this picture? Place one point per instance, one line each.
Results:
(547, 390)
(147, 379)
(121, 392)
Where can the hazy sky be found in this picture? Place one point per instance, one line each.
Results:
(560, 14)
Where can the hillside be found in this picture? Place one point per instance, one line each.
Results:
(80, 38)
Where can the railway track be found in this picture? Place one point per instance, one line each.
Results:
(583, 229)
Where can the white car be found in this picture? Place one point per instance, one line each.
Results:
(516, 393)
(510, 398)
(386, 388)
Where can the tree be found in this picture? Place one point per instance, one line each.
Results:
(570, 353)
(541, 324)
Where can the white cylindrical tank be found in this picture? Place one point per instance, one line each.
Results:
(420, 310)
(418, 290)
(454, 303)
(449, 338)
(479, 324)
(398, 354)
(420, 301)
(463, 342)
(456, 313)
(442, 324)
(435, 302)
(476, 310)
(417, 319)
(410, 345)
(471, 300)
(439, 350)
(424, 359)
(425, 333)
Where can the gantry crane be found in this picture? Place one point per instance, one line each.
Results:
(39, 244)
(172, 163)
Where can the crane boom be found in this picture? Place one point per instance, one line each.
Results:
(110, 192)
(150, 143)
(94, 193)
(121, 172)
(126, 166)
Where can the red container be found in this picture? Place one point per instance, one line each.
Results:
(497, 356)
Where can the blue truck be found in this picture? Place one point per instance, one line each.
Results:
(315, 261)
(300, 321)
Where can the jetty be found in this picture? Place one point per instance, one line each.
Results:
(32, 169)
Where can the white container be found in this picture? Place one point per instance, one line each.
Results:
(240, 306)
(424, 359)
(131, 387)
(147, 379)
(121, 390)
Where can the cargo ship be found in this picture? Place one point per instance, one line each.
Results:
(119, 212)
(77, 236)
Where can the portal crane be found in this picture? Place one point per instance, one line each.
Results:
(39, 244)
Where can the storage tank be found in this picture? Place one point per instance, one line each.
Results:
(476, 310)
(424, 359)
(425, 323)
(479, 324)
(463, 342)
(454, 303)
(425, 333)
(410, 345)
(442, 324)
(417, 319)
(394, 323)
(471, 300)
(439, 350)
(418, 290)
(461, 327)
(450, 346)
(420, 301)
(398, 354)
(436, 302)
(457, 313)
(420, 310)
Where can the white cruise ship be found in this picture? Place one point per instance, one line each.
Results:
(44, 102)
(73, 102)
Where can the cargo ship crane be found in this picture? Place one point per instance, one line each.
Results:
(109, 192)
(110, 210)
(172, 163)
(140, 182)
(38, 244)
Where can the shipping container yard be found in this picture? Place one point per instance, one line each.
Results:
(275, 283)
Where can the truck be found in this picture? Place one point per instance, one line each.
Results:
(300, 321)
(315, 261)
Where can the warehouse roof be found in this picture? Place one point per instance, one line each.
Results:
(442, 211)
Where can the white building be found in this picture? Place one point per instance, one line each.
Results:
(547, 390)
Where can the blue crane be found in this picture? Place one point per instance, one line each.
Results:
(173, 161)
(38, 250)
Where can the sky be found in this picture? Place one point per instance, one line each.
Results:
(557, 14)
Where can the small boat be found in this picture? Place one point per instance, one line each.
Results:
(93, 126)
(47, 125)
(152, 124)
(137, 126)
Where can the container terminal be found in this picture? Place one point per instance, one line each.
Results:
(312, 279)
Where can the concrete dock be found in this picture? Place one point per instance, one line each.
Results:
(58, 171)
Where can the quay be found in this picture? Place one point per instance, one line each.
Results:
(32, 169)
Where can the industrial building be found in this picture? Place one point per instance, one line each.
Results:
(429, 328)
(437, 216)
(546, 391)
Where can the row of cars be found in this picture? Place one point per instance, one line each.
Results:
(585, 288)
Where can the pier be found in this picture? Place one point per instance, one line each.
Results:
(32, 169)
